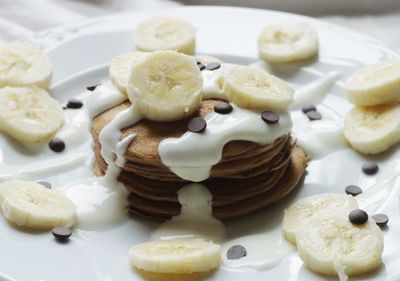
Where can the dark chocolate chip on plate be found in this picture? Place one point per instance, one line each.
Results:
(269, 117)
(74, 104)
(223, 108)
(197, 125)
(236, 252)
(358, 217)
(381, 220)
(370, 168)
(201, 66)
(45, 184)
(213, 65)
(57, 145)
(313, 115)
(92, 88)
(61, 233)
(353, 190)
(308, 107)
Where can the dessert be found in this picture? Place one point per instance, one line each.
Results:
(333, 237)
(284, 43)
(165, 33)
(254, 160)
(193, 141)
(21, 65)
(373, 130)
(178, 256)
(375, 84)
(34, 206)
(29, 114)
(120, 68)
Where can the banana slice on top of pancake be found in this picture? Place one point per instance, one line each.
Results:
(166, 86)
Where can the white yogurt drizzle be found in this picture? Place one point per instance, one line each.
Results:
(75, 130)
(44, 168)
(192, 155)
(264, 251)
(104, 97)
(102, 201)
(321, 137)
(195, 219)
(211, 87)
(110, 135)
(315, 91)
(375, 198)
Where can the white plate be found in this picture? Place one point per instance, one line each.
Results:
(80, 54)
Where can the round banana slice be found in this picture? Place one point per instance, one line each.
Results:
(29, 114)
(23, 66)
(178, 256)
(254, 88)
(296, 215)
(372, 130)
(282, 43)
(375, 84)
(166, 86)
(32, 205)
(120, 69)
(165, 33)
(331, 245)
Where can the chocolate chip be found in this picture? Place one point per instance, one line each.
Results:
(358, 217)
(201, 66)
(45, 184)
(92, 88)
(197, 125)
(353, 190)
(381, 220)
(74, 104)
(308, 107)
(269, 117)
(62, 234)
(57, 145)
(223, 108)
(370, 168)
(236, 252)
(213, 65)
(198, 62)
(313, 115)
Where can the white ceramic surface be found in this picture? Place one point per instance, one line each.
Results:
(80, 55)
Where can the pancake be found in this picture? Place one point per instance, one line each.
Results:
(248, 177)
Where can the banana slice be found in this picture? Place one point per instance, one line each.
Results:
(254, 88)
(29, 114)
(296, 215)
(23, 66)
(282, 43)
(166, 86)
(165, 33)
(35, 206)
(372, 130)
(120, 69)
(177, 256)
(375, 84)
(331, 245)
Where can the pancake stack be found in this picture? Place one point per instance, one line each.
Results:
(248, 177)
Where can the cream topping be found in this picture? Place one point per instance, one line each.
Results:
(321, 137)
(192, 155)
(104, 97)
(315, 91)
(195, 219)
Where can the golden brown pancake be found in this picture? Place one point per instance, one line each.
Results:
(248, 177)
